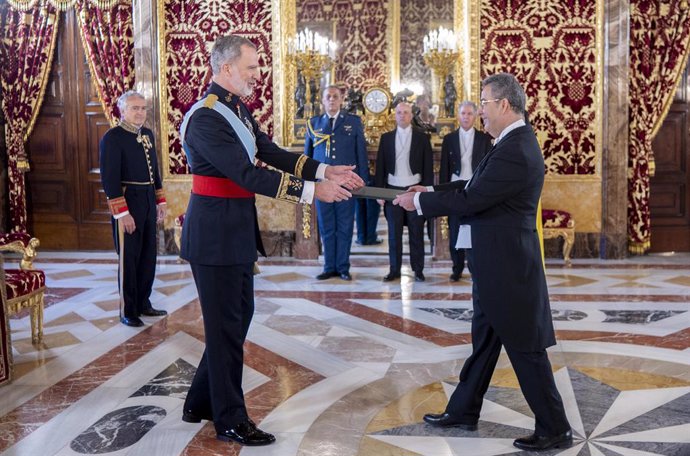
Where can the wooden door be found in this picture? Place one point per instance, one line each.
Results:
(670, 187)
(66, 204)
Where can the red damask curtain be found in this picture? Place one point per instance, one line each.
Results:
(28, 42)
(107, 34)
(659, 43)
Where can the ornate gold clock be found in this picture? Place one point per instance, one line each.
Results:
(377, 100)
(377, 103)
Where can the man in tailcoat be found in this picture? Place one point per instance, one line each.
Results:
(220, 236)
(336, 138)
(404, 159)
(132, 184)
(461, 152)
(509, 294)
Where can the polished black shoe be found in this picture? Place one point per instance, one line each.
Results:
(246, 433)
(536, 442)
(131, 321)
(454, 277)
(375, 242)
(346, 276)
(446, 420)
(390, 277)
(419, 277)
(326, 275)
(190, 417)
(151, 312)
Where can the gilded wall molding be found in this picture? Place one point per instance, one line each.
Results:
(393, 38)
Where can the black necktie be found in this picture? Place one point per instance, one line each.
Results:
(332, 123)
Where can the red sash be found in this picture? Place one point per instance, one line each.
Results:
(220, 187)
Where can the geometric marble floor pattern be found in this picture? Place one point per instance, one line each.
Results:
(337, 368)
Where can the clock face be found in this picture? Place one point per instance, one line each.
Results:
(376, 100)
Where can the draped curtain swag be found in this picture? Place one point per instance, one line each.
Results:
(28, 40)
(659, 43)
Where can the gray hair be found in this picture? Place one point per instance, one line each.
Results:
(505, 85)
(469, 103)
(122, 101)
(226, 49)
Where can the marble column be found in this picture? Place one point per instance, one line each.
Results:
(615, 129)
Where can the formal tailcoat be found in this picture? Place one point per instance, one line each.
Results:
(343, 145)
(451, 158)
(421, 158)
(224, 231)
(500, 205)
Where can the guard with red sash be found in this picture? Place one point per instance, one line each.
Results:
(220, 236)
(132, 184)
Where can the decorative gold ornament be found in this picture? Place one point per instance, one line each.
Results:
(306, 221)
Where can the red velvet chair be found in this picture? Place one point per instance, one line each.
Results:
(559, 223)
(25, 286)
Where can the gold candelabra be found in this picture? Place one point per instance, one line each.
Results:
(441, 54)
(310, 54)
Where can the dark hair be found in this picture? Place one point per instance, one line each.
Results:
(505, 85)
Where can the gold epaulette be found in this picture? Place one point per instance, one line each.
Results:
(210, 101)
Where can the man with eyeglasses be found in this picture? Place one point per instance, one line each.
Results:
(509, 293)
(132, 184)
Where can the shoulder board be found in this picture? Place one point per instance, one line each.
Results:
(210, 101)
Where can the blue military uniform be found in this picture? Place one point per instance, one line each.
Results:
(342, 144)
(132, 183)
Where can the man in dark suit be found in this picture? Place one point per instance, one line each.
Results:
(509, 293)
(220, 237)
(336, 138)
(404, 159)
(461, 152)
(133, 186)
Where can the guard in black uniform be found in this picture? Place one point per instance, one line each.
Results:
(220, 236)
(132, 184)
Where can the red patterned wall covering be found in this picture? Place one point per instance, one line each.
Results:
(190, 29)
(550, 46)
(417, 17)
(361, 35)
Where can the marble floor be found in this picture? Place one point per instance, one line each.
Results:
(339, 368)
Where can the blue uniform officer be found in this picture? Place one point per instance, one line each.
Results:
(336, 138)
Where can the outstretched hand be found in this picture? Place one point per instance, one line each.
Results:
(345, 176)
(417, 188)
(406, 201)
(329, 191)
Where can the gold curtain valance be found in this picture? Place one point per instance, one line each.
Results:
(61, 5)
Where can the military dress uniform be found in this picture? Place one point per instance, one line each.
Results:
(337, 143)
(132, 183)
(220, 239)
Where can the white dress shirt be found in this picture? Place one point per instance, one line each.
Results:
(466, 145)
(403, 176)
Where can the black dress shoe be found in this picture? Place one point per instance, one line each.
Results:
(326, 275)
(151, 312)
(375, 242)
(346, 276)
(419, 277)
(190, 417)
(131, 321)
(536, 442)
(246, 433)
(390, 277)
(454, 277)
(446, 420)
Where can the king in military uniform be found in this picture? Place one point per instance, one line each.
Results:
(132, 185)
(336, 138)
(220, 236)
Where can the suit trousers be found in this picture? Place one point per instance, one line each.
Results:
(533, 371)
(137, 251)
(367, 212)
(398, 217)
(336, 224)
(226, 294)
(457, 255)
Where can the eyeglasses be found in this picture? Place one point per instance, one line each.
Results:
(483, 103)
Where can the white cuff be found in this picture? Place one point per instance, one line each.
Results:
(415, 200)
(120, 215)
(429, 188)
(308, 192)
(321, 171)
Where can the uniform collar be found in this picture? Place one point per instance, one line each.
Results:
(129, 127)
(223, 95)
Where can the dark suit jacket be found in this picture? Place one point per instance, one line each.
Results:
(500, 204)
(421, 158)
(224, 231)
(451, 159)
